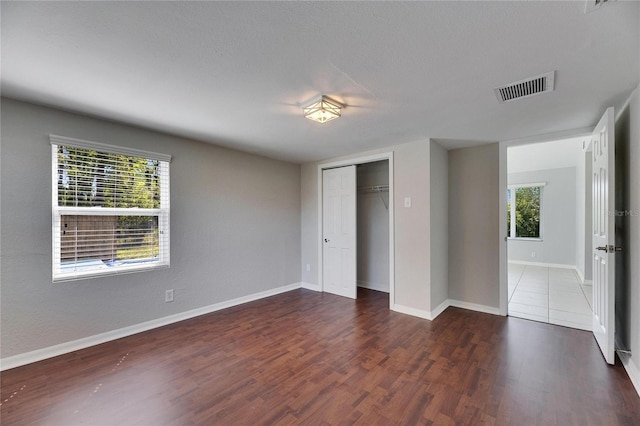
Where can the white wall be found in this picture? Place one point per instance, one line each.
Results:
(558, 218)
(234, 232)
(628, 234)
(439, 206)
(373, 227)
(474, 251)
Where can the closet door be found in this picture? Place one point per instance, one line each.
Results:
(339, 231)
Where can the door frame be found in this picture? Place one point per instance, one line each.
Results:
(353, 162)
(584, 132)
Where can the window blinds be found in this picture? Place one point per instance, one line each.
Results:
(110, 209)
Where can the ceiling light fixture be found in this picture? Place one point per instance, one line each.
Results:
(323, 110)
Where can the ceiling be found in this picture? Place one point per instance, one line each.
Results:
(237, 73)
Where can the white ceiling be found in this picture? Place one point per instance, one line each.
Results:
(237, 73)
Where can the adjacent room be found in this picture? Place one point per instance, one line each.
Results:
(319, 213)
(549, 228)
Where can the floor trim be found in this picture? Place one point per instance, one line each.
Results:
(85, 342)
(431, 315)
(309, 286)
(543, 264)
(412, 311)
(440, 308)
(474, 307)
(374, 286)
(632, 370)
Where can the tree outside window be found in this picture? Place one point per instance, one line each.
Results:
(523, 211)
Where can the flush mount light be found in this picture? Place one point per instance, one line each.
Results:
(323, 110)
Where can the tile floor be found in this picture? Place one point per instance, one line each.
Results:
(552, 295)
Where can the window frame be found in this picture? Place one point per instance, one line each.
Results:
(512, 211)
(162, 213)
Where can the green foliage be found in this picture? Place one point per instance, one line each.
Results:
(88, 178)
(527, 212)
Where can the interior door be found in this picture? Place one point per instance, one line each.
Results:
(603, 182)
(339, 231)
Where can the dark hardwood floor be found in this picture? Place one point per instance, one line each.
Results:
(309, 358)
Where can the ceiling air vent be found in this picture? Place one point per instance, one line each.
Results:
(524, 88)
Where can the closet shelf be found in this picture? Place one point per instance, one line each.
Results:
(374, 188)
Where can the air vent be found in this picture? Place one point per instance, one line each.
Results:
(525, 88)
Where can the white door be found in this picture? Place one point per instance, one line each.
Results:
(603, 146)
(339, 231)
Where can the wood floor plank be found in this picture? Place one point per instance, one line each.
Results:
(312, 358)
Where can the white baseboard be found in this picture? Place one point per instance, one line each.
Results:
(629, 365)
(374, 286)
(85, 342)
(543, 264)
(440, 309)
(474, 307)
(412, 311)
(632, 370)
(431, 315)
(309, 286)
(579, 274)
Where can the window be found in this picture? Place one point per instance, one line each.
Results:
(524, 210)
(110, 209)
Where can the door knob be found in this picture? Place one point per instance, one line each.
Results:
(609, 248)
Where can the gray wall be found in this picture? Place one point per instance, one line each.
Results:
(474, 258)
(558, 245)
(373, 227)
(235, 231)
(411, 225)
(439, 160)
(628, 228)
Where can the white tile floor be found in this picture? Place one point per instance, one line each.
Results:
(552, 295)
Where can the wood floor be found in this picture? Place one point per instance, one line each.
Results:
(311, 358)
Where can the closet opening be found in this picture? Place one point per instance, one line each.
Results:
(372, 180)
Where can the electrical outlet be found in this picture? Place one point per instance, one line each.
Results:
(533, 254)
(168, 296)
(308, 267)
(407, 202)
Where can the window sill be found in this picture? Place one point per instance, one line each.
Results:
(524, 239)
(128, 269)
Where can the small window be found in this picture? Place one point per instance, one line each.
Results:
(524, 210)
(110, 209)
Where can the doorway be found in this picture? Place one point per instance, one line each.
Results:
(548, 241)
(374, 191)
(373, 225)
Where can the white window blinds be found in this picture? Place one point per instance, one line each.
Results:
(110, 209)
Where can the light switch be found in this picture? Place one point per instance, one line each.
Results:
(407, 202)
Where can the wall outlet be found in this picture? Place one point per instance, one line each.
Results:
(308, 267)
(407, 202)
(168, 296)
(533, 254)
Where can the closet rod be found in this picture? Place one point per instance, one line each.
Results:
(374, 188)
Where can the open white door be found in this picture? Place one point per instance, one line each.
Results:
(603, 181)
(339, 231)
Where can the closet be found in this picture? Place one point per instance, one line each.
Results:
(373, 225)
